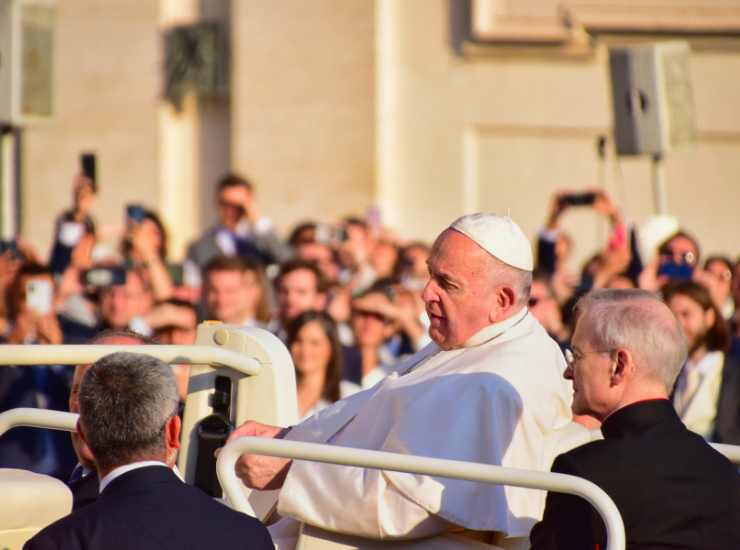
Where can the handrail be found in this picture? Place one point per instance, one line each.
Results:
(37, 418)
(84, 354)
(457, 469)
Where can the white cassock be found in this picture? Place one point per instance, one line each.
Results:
(500, 399)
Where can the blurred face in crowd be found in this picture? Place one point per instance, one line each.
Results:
(232, 202)
(321, 254)
(416, 258)
(695, 321)
(384, 258)
(590, 370)
(311, 349)
(298, 292)
(681, 250)
(121, 303)
(460, 295)
(232, 296)
(370, 327)
(721, 287)
(543, 305)
(181, 334)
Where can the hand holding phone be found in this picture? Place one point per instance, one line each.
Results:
(88, 165)
(39, 296)
(135, 213)
(578, 199)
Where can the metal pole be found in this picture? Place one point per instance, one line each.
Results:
(660, 194)
(37, 418)
(420, 465)
(85, 354)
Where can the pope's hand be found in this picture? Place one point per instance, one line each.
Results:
(260, 472)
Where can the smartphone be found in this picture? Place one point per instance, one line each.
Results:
(89, 169)
(578, 199)
(135, 213)
(104, 277)
(675, 270)
(39, 296)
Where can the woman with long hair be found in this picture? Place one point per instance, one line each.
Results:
(317, 356)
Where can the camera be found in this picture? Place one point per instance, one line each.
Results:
(578, 199)
(104, 277)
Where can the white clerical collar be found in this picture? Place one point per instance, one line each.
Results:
(117, 472)
(497, 329)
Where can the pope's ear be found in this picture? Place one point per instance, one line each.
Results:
(504, 299)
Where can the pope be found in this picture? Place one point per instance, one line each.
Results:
(488, 389)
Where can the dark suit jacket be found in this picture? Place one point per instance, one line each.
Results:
(265, 248)
(727, 423)
(672, 489)
(150, 508)
(84, 491)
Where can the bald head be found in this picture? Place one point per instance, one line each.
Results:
(639, 321)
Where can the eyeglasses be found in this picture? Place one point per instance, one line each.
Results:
(572, 356)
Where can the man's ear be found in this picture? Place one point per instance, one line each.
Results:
(622, 368)
(710, 317)
(80, 433)
(172, 432)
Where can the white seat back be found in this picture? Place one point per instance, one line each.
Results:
(30, 503)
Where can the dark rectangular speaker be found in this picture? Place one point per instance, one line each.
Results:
(652, 98)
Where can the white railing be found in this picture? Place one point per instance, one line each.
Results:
(37, 418)
(362, 458)
(731, 452)
(89, 353)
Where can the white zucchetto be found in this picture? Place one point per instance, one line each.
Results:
(499, 236)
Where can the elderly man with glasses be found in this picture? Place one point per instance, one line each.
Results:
(672, 489)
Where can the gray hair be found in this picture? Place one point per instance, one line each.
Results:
(639, 321)
(126, 400)
(519, 279)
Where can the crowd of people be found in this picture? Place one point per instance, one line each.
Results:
(355, 303)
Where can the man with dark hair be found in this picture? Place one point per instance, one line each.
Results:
(84, 482)
(241, 231)
(128, 419)
(235, 291)
(671, 488)
(707, 392)
(299, 287)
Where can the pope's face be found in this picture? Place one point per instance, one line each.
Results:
(459, 296)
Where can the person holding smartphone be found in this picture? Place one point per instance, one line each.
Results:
(241, 231)
(31, 303)
(74, 230)
(31, 307)
(145, 248)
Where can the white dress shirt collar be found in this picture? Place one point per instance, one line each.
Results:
(118, 472)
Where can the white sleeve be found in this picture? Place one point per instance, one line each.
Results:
(357, 501)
